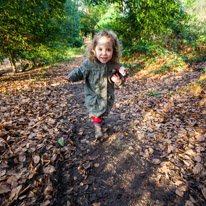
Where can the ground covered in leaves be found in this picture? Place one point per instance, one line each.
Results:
(153, 152)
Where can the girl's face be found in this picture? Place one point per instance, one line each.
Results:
(104, 49)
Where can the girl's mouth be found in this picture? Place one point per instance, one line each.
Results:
(104, 58)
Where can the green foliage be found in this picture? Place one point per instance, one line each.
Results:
(131, 67)
(162, 70)
(145, 18)
(61, 141)
(109, 19)
(42, 31)
(70, 26)
(37, 30)
(90, 16)
(43, 55)
(154, 94)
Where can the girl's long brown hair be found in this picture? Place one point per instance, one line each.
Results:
(115, 42)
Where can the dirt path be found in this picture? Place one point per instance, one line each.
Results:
(153, 151)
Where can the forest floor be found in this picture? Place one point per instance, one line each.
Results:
(153, 152)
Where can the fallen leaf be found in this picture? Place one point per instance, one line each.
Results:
(188, 203)
(96, 165)
(32, 173)
(86, 165)
(204, 192)
(49, 169)
(197, 169)
(36, 159)
(61, 141)
(48, 191)
(45, 203)
(151, 151)
(15, 193)
(179, 193)
(4, 188)
(197, 158)
(2, 173)
(96, 204)
(192, 199)
(200, 138)
(68, 203)
(156, 161)
(22, 158)
(3, 134)
(190, 152)
(178, 183)
(32, 135)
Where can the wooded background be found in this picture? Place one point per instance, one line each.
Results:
(39, 32)
(153, 152)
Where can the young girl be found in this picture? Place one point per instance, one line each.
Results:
(98, 73)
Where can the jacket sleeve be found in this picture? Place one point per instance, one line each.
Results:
(77, 74)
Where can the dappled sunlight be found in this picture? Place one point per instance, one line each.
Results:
(152, 153)
(152, 150)
(36, 78)
(167, 129)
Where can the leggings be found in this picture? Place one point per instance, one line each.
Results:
(97, 121)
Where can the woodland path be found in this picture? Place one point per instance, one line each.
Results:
(153, 152)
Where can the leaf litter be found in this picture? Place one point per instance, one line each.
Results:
(153, 151)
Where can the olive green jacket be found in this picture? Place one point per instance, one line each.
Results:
(98, 88)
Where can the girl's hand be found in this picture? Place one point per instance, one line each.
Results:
(65, 78)
(115, 78)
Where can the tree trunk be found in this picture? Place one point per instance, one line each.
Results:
(93, 33)
(12, 62)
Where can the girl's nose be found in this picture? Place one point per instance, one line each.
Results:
(104, 51)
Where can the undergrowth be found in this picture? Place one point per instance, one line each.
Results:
(167, 53)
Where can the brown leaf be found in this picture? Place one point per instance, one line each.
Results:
(171, 148)
(151, 151)
(2, 173)
(197, 169)
(190, 152)
(49, 169)
(204, 192)
(197, 158)
(188, 203)
(22, 158)
(146, 153)
(4, 188)
(48, 191)
(179, 193)
(92, 157)
(53, 157)
(192, 199)
(4, 126)
(36, 159)
(2, 145)
(156, 161)
(96, 165)
(96, 204)
(200, 138)
(3, 134)
(45, 203)
(68, 203)
(32, 173)
(11, 172)
(86, 165)
(12, 180)
(178, 183)
(15, 193)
